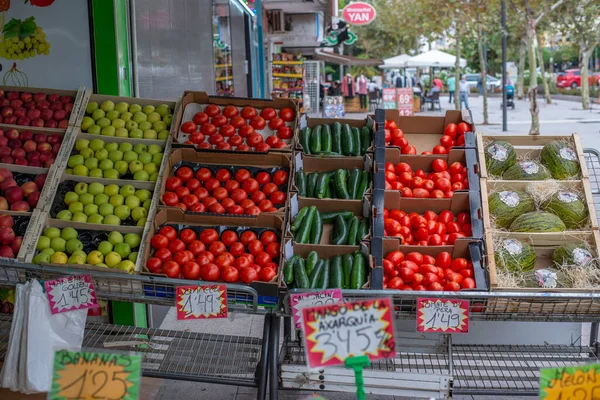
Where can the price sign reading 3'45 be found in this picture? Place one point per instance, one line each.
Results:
(102, 376)
(71, 293)
(197, 302)
(443, 315)
(337, 332)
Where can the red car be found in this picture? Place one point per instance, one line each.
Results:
(572, 78)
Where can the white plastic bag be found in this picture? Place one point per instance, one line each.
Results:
(8, 376)
(47, 333)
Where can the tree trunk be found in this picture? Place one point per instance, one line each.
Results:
(521, 72)
(457, 71)
(540, 55)
(585, 53)
(482, 68)
(532, 92)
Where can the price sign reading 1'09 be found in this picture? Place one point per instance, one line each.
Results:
(442, 315)
(197, 302)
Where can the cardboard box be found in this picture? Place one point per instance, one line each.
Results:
(216, 161)
(200, 222)
(356, 123)
(425, 132)
(202, 98)
(529, 147)
(78, 96)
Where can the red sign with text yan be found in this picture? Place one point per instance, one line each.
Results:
(359, 13)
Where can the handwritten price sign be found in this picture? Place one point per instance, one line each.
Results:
(299, 301)
(336, 332)
(71, 293)
(570, 383)
(442, 315)
(198, 302)
(103, 376)
(405, 101)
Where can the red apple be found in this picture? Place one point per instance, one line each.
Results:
(56, 106)
(3, 141)
(60, 115)
(7, 184)
(28, 105)
(69, 107)
(29, 146)
(24, 121)
(19, 152)
(5, 174)
(38, 122)
(6, 252)
(5, 151)
(14, 143)
(48, 163)
(7, 160)
(39, 97)
(25, 96)
(6, 220)
(21, 161)
(16, 245)
(64, 124)
(20, 205)
(51, 124)
(26, 135)
(46, 114)
(35, 163)
(33, 113)
(3, 203)
(7, 111)
(20, 112)
(16, 103)
(33, 156)
(43, 105)
(7, 235)
(28, 188)
(13, 194)
(12, 134)
(40, 137)
(12, 95)
(53, 97)
(54, 139)
(56, 148)
(46, 155)
(66, 99)
(1, 132)
(11, 120)
(40, 180)
(4, 102)
(44, 147)
(33, 199)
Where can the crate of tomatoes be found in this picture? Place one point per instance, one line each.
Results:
(235, 124)
(216, 249)
(247, 185)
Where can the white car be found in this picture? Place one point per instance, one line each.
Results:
(493, 84)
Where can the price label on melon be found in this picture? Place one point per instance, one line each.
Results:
(442, 315)
(337, 332)
(199, 302)
(578, 382)
(71, 293)
(102, 376)
(299, 301)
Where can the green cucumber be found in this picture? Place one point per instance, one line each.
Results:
(340, 231)
(299, 217)
(323, 281)
(336, 273)
(326, 138)
(328, 191)
(332, 190)
(353, 232)
(364, 184)
(301, 182)
(311, 183)
(315, 140)
(327, 153)
(288, 270)
(353, 183)
(347, 261)
(311, 262)
(321, 185)
(316, 274)
(340, 184)
(300, 274)
(363, 229)
(328, 217)
(305, 140)
(358, 278)
(336, 137)
(365, 139)
(303, 234)
(347, 142)
(355, 141)
(317, 229)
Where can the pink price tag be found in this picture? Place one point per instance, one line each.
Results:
(71, 293)
(442, 315)
(298, 301)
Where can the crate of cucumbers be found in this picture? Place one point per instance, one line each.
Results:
(336, 137)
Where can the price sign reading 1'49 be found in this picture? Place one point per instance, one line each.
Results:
(337, 332)
(570, 383)
(197, 302)
(102, 376)
(71, 293)
(443, 315)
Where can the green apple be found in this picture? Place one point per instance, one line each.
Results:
(90, 209)
(95, 257)
(91, 163)
(103, 122)
(123, 249)
(154, 149)
(94, 130)
(133, 256)
(136, 166)
(96, 144)
(121, 167)
(125, 147)
(87, 153)
(148, 109)
(126, 265)
(131, 125)
(122, 133)
(139, 117)
(136, 134)
(159, 126)
(41, 258)
(58, 244)
(82, 144)
(118, 124)
(132, 201)
(81, 188)
(103, 266)
(96, 173)
(98, 114)
(111, 220)
(71, 197)
(141, 222)
(91, 107)
(163, 135)
(122, 212)
(140, 148)
(133, 240)
(145, 158)
(147, 204)
(167, 119)
(76, 259)
(101, 199)
(150, 169)
(86, 198)
(127, 190)
(115, 237)
(81, 170)
(69, 233)
(106, 164)
(76, 160)
(126, 116)
(163, 110)
(65, 215)
(154, 117)
(116, 200)
(52, 232)
(135, 108)
(111, 189)
(151, 178)
(106, 209)
(107, 106)
(79, 217)
(150, 134)
(108, 131)
(43, 243)
(112, 259)
(95, 188)
(111, 174)
(144, 126)
(48, 251)
(72, 245)
(130, 156)
(144, 176)
(111, 146)
(112, 115)
(95, 218)
(105, 247)
(86, 122)
(157, 158)
(143, 194)
(139, 213)
(76, 206)
(121, 107)
(59, 257)
(101, 154)
(115, 155)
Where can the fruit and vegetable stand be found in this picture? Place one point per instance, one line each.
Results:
(149, 196)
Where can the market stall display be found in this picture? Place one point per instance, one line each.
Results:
(287, 71)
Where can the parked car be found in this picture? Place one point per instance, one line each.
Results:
(493, 84)
(572, 78)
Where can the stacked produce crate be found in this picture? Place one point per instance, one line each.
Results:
(540, 222)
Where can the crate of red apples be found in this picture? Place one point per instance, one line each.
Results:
(28, 147)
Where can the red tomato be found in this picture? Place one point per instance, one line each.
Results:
(229, 237)
(434, 240)
(396, 257)
(255, 246)
(227, 202)
(229, 274)
(231, 185)
(247, 236)
(272, 141)
(187, 235)
(204, 145)
(395, 283)
(280, 177)
(159, 242)
(406, 192)
(407, 274)
(169, 232)
(409, 150)
(254, 139)
(429, 278)
(452, 287)
(284, 132)
(176, 245)
(197, 137)
(216, 139)
(415, 257)
(388, 268)
(237, 122)
(287, 114)
(248, 112)
(261, 258)
(211, 110)
(258, 123)
(462, 128)
(171, 269)
(191, 270)
(196, 247)
(420, 193)
(440, 150)
(453, 227)
(443, 184)
(458, 264)
(468, 283)
(262, 148)
(219, 120)
(184, 173)
(217, 248)
(227, 130)
(267, 274)
(446, 141)
(222, 175)
(154, 264)
(238, 195)
(173, 183)
(188, 127)
(428, 185)
(457, 186)
(216, 208)
(258, 196)
(203, 174)
(265, 205)
(450, 130)
(230, 111)
(391, 226)
(268, 113)
(273, 249)
(208, 129)
(443, 260)
(250, 185)
(247, 203)
(209, 272)
(278, 197)
(163, 254)
(276, 123)
(208, 236)
(446, 216)
(246, 131)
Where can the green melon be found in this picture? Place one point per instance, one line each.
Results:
(568, 207)
(572, 255)
(499, 156)
(507, 205)
(561, 160)
(515, 256)
(546, 278)
(527, 171)
(537, 222)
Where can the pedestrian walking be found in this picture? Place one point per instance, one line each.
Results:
(464, 92)
(451, 88)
